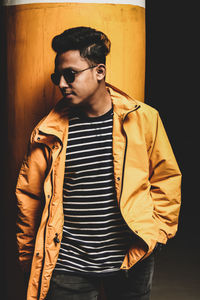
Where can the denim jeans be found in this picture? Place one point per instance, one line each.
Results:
(132, 285)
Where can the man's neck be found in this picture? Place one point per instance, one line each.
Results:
(100, 104)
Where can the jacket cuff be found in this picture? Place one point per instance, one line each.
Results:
(162, 238)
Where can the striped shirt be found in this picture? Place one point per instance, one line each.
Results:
(95, 236)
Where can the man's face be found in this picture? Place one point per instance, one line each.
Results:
(82, 90)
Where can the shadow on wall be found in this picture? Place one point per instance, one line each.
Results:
(21, 122)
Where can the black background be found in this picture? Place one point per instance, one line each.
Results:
(172, 84)
(171, 87)
(172, 75)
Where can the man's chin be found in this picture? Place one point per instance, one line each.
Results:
(72, 100)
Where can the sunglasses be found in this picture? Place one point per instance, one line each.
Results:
(68, 74)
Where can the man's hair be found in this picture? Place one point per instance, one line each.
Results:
(93, 45)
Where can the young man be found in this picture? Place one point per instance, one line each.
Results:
(99, 189)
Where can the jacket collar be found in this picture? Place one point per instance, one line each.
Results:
(122, 103)
(55, 123)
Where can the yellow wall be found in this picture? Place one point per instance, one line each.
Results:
(30, 93)
(30, 59)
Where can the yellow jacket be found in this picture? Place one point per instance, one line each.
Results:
(147, 182)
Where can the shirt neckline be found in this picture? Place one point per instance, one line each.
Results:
(105, 116)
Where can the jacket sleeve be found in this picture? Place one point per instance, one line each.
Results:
(29, 193)
(165, 180)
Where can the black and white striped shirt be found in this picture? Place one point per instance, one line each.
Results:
(95, 236)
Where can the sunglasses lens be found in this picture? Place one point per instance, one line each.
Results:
(55, 78)
(69, 76)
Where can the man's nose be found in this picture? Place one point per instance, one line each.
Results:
(63, 83)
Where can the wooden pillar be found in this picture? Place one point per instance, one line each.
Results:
(30, 94)
(30, 59)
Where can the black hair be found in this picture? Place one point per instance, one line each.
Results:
(93, 45)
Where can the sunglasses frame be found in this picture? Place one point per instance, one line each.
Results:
(66, 73)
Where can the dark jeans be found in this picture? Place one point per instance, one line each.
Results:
(135, 285)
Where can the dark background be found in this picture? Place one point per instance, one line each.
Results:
(172, 88)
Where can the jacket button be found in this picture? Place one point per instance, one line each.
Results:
(118, 178)
(37, 254)
(56, 239)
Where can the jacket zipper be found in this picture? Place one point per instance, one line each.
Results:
(124, 161)
(43, 261)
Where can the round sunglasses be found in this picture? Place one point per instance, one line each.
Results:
(68, 74)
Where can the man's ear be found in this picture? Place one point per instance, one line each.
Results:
(101, 71)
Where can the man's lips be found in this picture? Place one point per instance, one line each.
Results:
(67, 94)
